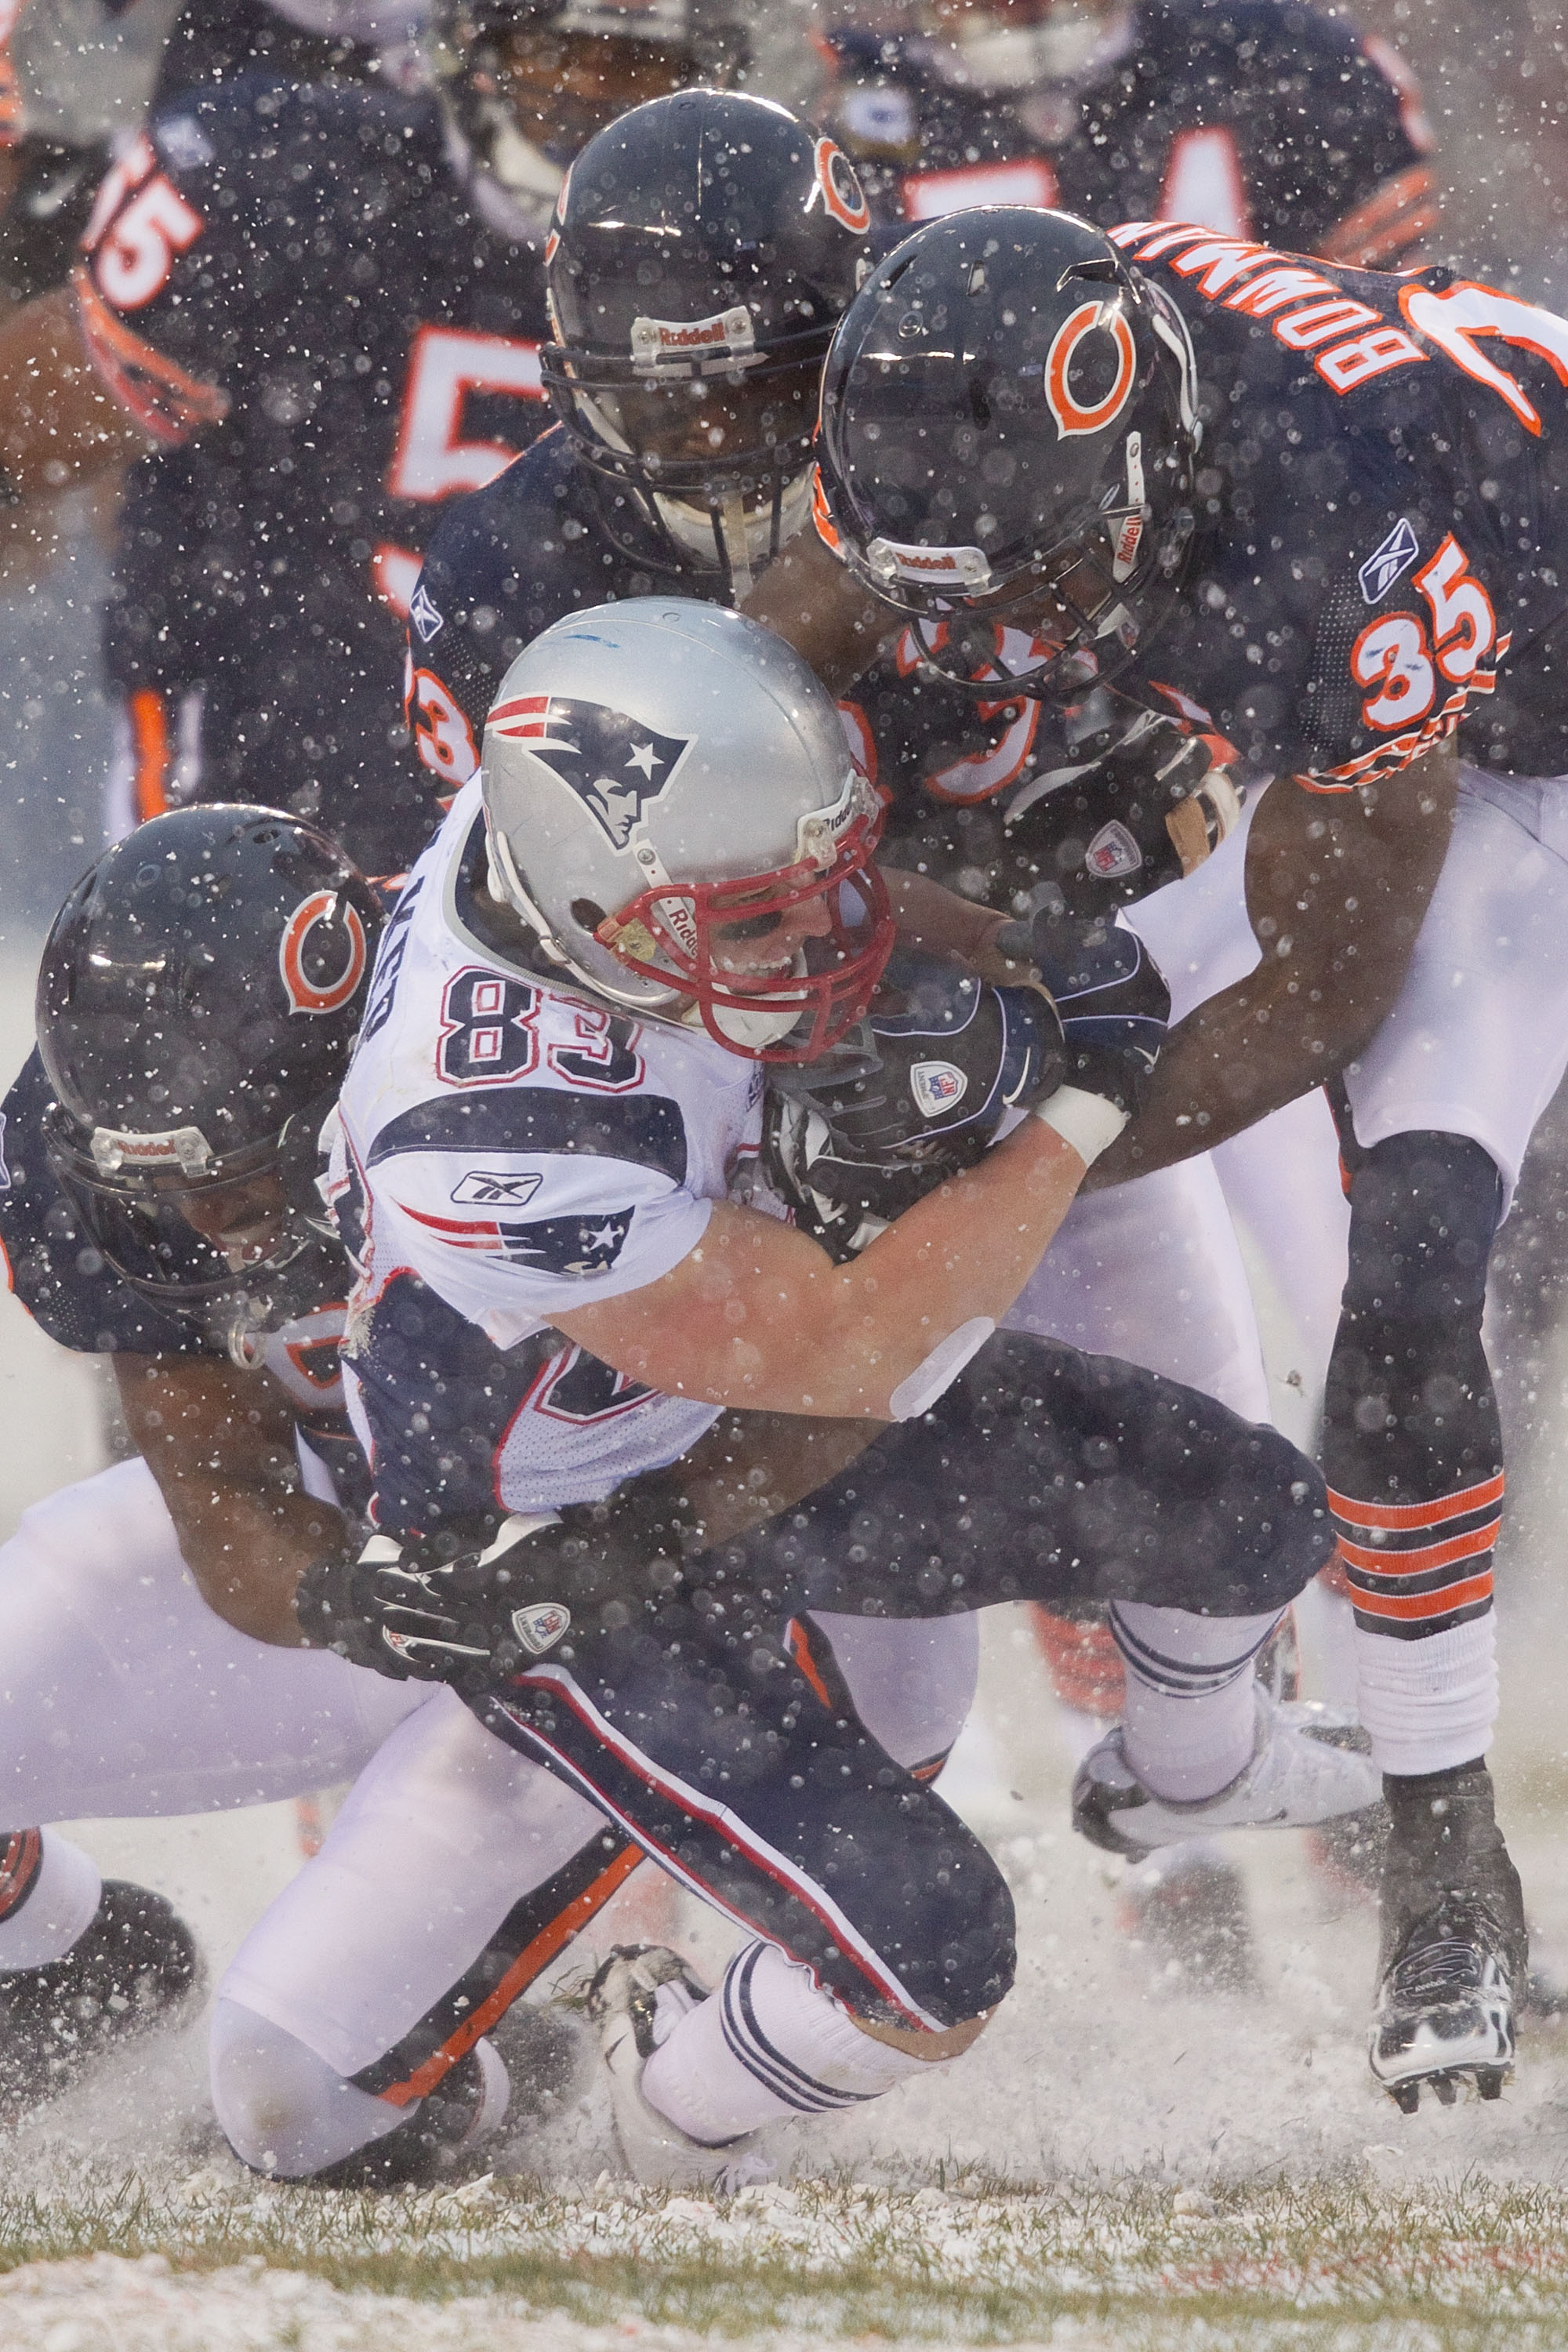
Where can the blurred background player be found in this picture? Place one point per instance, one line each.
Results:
(317, 395)
(1257, 119)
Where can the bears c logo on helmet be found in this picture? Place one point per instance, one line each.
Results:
(840, 189)
(321, 995)
(1074, 414)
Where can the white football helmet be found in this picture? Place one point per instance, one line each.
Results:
(673, 810)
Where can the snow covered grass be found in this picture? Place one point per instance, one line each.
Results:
(1336, 2266)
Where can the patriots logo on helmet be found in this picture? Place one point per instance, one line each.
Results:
(613, 763)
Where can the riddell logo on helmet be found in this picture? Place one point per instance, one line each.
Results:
(306, 995)
(654, 340)
(894, 558)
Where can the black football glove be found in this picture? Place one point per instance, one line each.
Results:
(853, 1141)
(1112, 998)
(1150, 807)
(472, 1615)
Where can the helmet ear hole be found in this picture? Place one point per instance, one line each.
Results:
(587, 913)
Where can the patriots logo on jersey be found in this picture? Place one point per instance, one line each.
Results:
(572, 1245)
(613, 763)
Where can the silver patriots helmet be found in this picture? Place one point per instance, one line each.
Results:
(674, 812)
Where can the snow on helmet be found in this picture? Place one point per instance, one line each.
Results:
(704, 246)
(197, 1002)
(667, 787)
(1009, 404)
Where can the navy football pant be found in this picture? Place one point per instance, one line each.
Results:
(730, 1753)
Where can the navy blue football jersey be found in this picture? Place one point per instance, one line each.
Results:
(1260, 117)
(548, 537)
(72, 1292)
(286, 285)
(1382, 547)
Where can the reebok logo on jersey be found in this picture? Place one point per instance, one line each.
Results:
(541, 1625)
(426, 616)
(936, 1086)
(1113, 854)
(495, 1192)
(613, 763)
(1384, 564)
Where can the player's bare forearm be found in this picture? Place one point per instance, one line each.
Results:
(1336, 886)
(932, 917)
(758, 1317)
(220, 1444)
(59, 423)
(816, 605)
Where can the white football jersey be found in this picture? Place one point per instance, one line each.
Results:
(519, 1152)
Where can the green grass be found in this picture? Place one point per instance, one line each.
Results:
(1467, 2266)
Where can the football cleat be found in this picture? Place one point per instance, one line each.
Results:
(131, 1967)
(1306, 1767)
(1453, 1967)
(635, 2000)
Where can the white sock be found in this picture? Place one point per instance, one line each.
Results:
(1430, 1703)
(49, 1893)
(1191, 1714)
(766, 2043)
(1327, 1623)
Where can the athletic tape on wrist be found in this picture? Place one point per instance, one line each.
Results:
(920, 1389)
(1089, 1122)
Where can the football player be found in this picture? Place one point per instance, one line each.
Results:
(1323, 508)
(200, 992)
(324, 304)
(682, 456)
(1260, 119)
(662, 877)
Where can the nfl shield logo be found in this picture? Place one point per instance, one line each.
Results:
(541, 1625)
(1113, 854)
(936, 1086)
